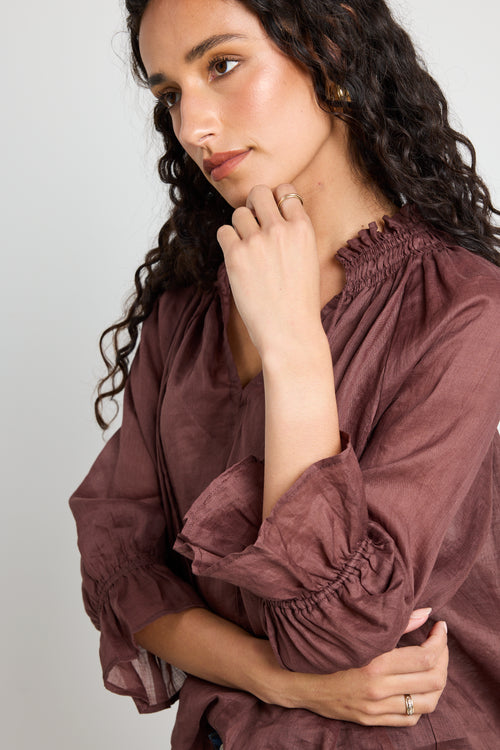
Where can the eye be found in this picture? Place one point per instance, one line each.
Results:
(169, 98)
(222, 66)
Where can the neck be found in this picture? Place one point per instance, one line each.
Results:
(339, 202)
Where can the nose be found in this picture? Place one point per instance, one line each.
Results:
(198, 118)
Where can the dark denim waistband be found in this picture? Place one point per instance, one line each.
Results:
(215, 740)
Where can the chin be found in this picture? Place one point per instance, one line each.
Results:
(235, 198)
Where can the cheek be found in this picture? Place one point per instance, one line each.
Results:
(263, 96)
(280, 101)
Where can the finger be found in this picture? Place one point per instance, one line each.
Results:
(244, 222)
(291, 207)
(424, 703)
(409, 659)
(227, 238)
(389, 720)
(415, 683)
(262, 203)
(434, 647)
(436, 638)
(417, 618)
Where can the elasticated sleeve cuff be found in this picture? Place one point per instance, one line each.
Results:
(317, 562)
(313, 530)
(134, 598)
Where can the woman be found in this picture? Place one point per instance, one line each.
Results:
(309, 443)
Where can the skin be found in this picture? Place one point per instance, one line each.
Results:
(245, 95)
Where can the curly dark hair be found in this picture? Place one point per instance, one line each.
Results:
(399, 135)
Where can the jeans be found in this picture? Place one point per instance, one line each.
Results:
(215, 740)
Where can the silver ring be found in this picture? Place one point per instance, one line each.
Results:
(287, 196)
(410, 709)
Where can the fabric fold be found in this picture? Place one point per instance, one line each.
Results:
(123, 534)
(132, 601)
(317, 546)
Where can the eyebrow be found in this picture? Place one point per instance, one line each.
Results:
(196, 52)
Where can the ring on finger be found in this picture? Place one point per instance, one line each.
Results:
(410, 709)
(287, 196)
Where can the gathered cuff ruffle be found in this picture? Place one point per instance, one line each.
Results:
(320, 566)
(313, 529)
(131, 601)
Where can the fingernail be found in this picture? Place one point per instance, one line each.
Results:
(445, 626)
(419, 614)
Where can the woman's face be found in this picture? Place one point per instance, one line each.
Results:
(244, 112)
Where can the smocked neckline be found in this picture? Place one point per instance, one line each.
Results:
(372, 254)
(368, 259)
(371, 237)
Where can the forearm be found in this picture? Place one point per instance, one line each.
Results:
(207, 646)
(301, 414)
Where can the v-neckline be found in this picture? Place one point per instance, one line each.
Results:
(360, 257)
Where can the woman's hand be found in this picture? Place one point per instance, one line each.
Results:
(273, 269)
(213, 649)
(374, 695)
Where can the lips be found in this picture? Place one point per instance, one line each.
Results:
(223, 163)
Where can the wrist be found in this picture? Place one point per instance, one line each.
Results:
(292, 689)
(297, 356)
(267, 680)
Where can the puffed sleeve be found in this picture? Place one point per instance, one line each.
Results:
(123, 536)
(358, 541)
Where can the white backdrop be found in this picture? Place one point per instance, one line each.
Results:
(80, 206)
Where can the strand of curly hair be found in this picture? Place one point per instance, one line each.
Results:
(400, 140)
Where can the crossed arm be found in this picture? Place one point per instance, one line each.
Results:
(207, 646)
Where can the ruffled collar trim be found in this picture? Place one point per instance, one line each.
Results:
(373, 254)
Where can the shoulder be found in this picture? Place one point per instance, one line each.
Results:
(444, 344)
(462, 284)
(443, 297)
(446, 282)
(466, 269)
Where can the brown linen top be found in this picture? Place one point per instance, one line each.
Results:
(406, 516)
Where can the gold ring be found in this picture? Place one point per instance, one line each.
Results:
(287, 196)
(410, 709)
